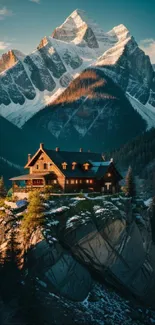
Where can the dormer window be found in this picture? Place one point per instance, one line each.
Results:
(74, 165)
(45, 166)
(64, 165)
(86, 166)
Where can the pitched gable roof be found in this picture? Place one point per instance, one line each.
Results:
(98, 167)
(58, 157)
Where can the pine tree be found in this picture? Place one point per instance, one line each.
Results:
(130, 189)
(3, 191)
(153, 219)
(10, 270)
(34, 215)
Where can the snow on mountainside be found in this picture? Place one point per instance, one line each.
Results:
(147, 112)
(92, 107)
(29, 83)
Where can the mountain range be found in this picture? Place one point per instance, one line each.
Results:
(80, 87)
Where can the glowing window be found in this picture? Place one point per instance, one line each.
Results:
(86, 166)
(64, 165)
(91, 181)
(67, 181)
(80, 181)
(72, 181)
(55, 181)
(87, 181)
(109, 174)
(76, 181)
(74, 165)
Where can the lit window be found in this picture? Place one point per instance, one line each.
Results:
(80, 181)
(109, 174)
(91, 181)
(87, 181)
(76, 181)
(55, 181)
(86, 166)
(74, 165)
(67, 181)
(72, 181)
(64, 165)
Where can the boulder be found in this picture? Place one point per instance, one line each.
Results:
(105, 243)
(61, 273)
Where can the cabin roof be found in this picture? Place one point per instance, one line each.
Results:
(59, 157)
(93, 172)
(29, 176)
(98, 167)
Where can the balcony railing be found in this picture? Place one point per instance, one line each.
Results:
(26, 189)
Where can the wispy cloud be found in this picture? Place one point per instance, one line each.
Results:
(148, 46)
(35, 1)
(4, 45)
(4, 12)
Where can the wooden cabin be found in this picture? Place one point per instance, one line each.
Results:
(68, 171)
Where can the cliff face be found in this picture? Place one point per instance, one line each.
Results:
(80, 238)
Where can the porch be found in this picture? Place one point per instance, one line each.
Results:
(31, 182)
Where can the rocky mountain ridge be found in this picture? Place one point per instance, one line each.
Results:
(33, 81)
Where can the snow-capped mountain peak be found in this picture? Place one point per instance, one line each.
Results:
(80, 30)
(9, 59)
(28, 83)
(121, 32)
(76, 19)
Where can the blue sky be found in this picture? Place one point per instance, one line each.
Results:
(23, 23)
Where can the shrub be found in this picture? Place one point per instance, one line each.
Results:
(34, 215)
(130, 189)
(81, 195)
(9, 193)
(3, 191)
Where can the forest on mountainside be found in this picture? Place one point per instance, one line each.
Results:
(140, 155)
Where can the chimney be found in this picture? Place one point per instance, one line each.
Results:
(111, 160)
(42, 146)
(57, 149)
(81, 150)
(103, 156)
(29, 157)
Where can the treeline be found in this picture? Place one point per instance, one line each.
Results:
(91, 83)
(138, 153)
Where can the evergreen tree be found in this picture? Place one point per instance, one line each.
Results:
(153, 219)
(34, 215)
(130, 189)
(3, 191)
(10, 270)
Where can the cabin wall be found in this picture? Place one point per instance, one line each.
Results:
(44, 164)
(39, 167)
(79, 184)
